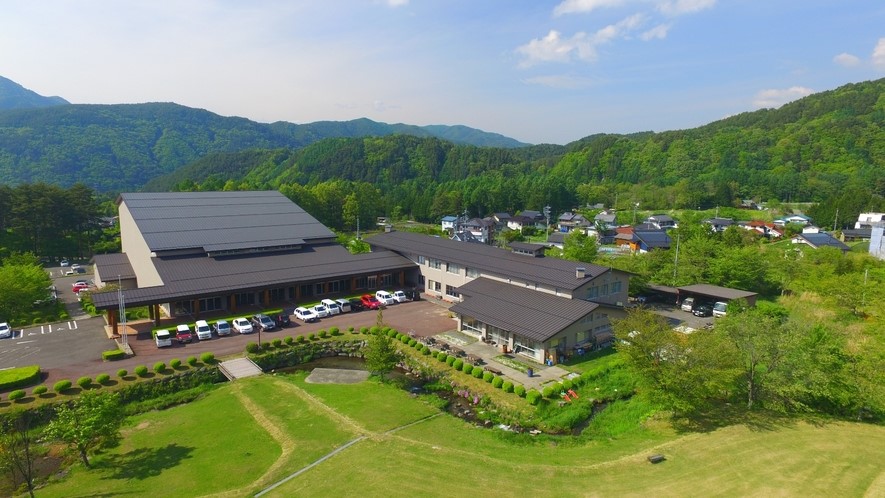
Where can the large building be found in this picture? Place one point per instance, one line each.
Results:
(191, 253)
(542, 308)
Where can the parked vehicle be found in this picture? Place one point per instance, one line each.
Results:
(5, 330)
(332, 306)
(356, 304)
(263, 322)
(183, 334)
(163, 338)
(400, 296)
(222, 327)
(720, 308)
(242, 325)
(687, 304)
(305, 315)
(64, 262)
(204, 332)
(702, 310)
(282, 320)
(343, 305)
(320, 310)
(385, 298)
(78, 286)
(370, 302)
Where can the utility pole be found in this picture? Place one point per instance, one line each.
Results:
(676, 260)
(836, 219)
(124, 337)
(547, 216)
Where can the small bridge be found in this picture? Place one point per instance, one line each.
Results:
(239, 368)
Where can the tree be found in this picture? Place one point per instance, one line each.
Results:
(92, 421)
(20, 286)
(578, 246)
(17, 447)
(381, 354)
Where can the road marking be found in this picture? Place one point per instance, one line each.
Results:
(74, 327)
(32, 333)
(25, 342)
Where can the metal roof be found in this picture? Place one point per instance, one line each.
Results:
(823, 239)
(200, 276)
(653, 238)
(552, 272)
(111, 266)
(529, 313)
(222, 221)
(717, 291)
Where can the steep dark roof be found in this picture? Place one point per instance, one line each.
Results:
(111, 266)
(190, 277)
(553, 272)
(222, 221)
(532, 314)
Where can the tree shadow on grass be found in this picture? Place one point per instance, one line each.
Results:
(711, 420)
(143, 463)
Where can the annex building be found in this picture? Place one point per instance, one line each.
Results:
(538, 307)
(193, 253)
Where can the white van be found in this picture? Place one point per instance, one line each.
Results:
(719, 308)
(343, 305)
(688, 304)
(163, 338)
(385, 298)
(332, 306)
(203, 330)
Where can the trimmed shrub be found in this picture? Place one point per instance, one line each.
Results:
(533, 397)
(364, 330)
(265, 346)
(507, 387)
(175, 363)
(289, 340)
(39, 390)
(252, 348)
(441, 356)
(62, 386)
(122, 373)
(488, 376)
(478, 372)
(207, 358)
(84, 382)
(300, 339)
(467, 368)
(413, 342)
(159, 367)
(426, 351)
(17, 395)
(12, 378)
(277, 342)
(374, 330)
(390, 333)
(334, 331)
(311, 336)
(141, 370)
(352, 330)
(404, 338)
(450, 360)
(323, 333)
(192, 361)
(386, 330)
(113, 355)
(458, 364)
(519, 389)
(557, 388)
(567, 384)
(497, 382)
(547, 392)
(102, 378)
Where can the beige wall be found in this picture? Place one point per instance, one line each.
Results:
(137, 250)
(603, 282)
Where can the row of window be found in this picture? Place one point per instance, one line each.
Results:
(604, 290)
(450, 267)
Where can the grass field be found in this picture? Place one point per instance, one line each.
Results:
(250, 434)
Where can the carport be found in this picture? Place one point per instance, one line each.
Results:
(714, 293)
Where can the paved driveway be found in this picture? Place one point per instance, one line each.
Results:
(56, 345)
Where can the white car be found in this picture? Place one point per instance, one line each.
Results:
(385, 298)
(203, 330)
(5, 330)
(400, 296)
(222, 328)
(321, 310)
(242, 325)
(163, 338)
(331, 306)
(305, 314)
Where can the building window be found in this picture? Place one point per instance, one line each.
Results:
(582, 337)
(434, 285)
(306, 291)
(604, 290)
(434, 263)
(387, 280)
(470, 323)
(245, 298)
(616, 287)
(276, 295)
(592, 292)
(211, 304)
(372, 282)
(453, 268)
(450, 291)
(319, 289)
(362, 282)
(421, 260)
(473, 273)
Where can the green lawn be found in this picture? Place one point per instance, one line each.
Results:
(255, 432)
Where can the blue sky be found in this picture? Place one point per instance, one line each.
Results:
(537, 71)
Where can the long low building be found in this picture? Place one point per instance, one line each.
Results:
(191, 253)
(541, 308)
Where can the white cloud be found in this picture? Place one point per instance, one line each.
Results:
(559, 81)
(555, 48)
(397, 3)
(846, 60)
(579, 6)
(675, 8)
(660, 31)
(879, 55)
(778, 97)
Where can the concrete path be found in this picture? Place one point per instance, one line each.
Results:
(542, 374)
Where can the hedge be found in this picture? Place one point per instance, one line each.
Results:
(251, 348)
(289, 340)
(19, 377)
(277, 342)
(547, 392)
(113, 355)
(207, 357)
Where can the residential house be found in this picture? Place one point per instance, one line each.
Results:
(527, 249)
(719, 224)
(569, 221)
(448, 223)
(817, 240)
(481, 228)
(799, 219)
(642, 239)
(866, 220)
(518, 222)
(661, 221)
(877, 240)
(768, 230)
(606, 219)
(556, 239)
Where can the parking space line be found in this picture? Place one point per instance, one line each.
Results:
(25, 342)
(74, 327)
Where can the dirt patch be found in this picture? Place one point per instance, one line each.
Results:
(336, 376)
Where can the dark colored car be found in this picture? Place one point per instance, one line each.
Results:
(282, 320)
(357, 305)
(702, 310)
(370, 302)
(263, 322)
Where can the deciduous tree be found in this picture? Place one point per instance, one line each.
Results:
(92, 421)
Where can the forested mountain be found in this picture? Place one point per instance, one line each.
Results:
(824, 147)
(15, 96)
(120, 147)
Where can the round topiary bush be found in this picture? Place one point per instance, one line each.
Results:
(122, 373)
(84, 382)
(374, 330)
(141, 370)
(102, 378)
(252, 347)
(312, 336)
(413, 342)
(458, 364)
(207, 358)
(300, 339)
(426, 351)
(533, 397)
(385, 330)
(557, 388)
(441, 356)
(497, 382)
(159, 367)
(478, 372)
(352, 330)
(507, 387)
(567, 384)
(16, 395)
(265, 346)
(289, 340)
(488, 376)
(323, 333)
(467, 368)
(62, 386)
(404, 338)
(192, 361)
(547, 392)
(39, 390)
(390, 333)
(364, 330)
(277, 342)
(175, 363)
(334, 330)
(519, 389)
(450, 360)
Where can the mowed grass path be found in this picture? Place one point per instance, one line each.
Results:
(250, 434)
